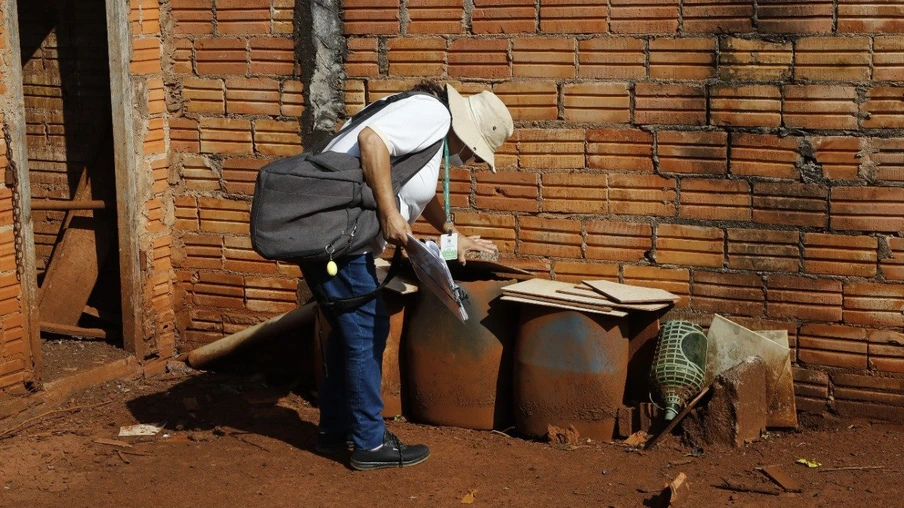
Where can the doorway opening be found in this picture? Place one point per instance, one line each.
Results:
(72, 177)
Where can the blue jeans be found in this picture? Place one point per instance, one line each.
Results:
(349, 395)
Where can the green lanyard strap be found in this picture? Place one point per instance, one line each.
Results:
(446, 182)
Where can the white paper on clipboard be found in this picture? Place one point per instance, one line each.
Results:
(432, 271)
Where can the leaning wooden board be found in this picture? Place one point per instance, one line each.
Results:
(548, 289)
(625, 293)
(562, 305)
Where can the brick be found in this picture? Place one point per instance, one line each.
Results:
(362, 59)
(145, 56)
(642, 195)
(828, 254)
(543, 58)
(435, 16)
(270, 294)
(184, 135)
(416, 56)
(377, 89)
(618, 241)
(277, 137)
(154, 141)
(283, 16)
(240, 257)
(226, 136)
(292, 98)
(886, 353)
(717, 16)
(198, 174)
(790, 204)
(763, 250)
(182, 56)
(888, 157)
(156, 94)
(239, 174)
(479, 58)
(746, 106)
(370, 17)
(574, 193)
(832, 346)
(611, 58)
(530, 100)
(508, 190)
(273, 55)
(498, 228)
(820, 107)
(597, 103)
(765, 155)
(574, 16)
(686, 58)
(576, 271)
(692, 152)
(880, 412)
(888, 58)
(891, 399)
(552, 149)
(541, 236)
(728, 293)
(805, 16)
(186, 213)
(689, 245)
(620, 150)
(200, 251)
(669, 104)
(851, 380)
(754, 60)
(504, 16)
(673, 280)
(878, 209)
(884, 108)
(832, 59)
(893, 265)
(243, 16)
(714, 199)
(838, 156)
(808, 299)
(870, 16)
(221, 56)
(203, 95)
(643, 16)
(874, 304)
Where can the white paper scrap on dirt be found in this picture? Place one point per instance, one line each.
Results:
(141, 429)
(433, 272)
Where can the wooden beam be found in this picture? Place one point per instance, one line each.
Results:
(119, 43)
(73, 331)
(53, 204)
(15, 119)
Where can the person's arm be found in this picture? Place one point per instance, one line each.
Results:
(436, 216)
(377, 173)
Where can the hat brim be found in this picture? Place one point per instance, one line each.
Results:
(464, 124)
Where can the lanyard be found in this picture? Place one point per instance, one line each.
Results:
(446, 205)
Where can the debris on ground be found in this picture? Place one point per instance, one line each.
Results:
(637, 439)
(737, 486)
(470, 497)
(141, 429)
(563, 438)
(781, 478)
(809, 463)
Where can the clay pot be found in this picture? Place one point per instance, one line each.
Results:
(570, 369)
(460, 374)
(391, 389)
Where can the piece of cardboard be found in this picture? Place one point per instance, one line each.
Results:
(729, 343)
(624, 293)
(784, 411)
(548, 289)
(562, 305)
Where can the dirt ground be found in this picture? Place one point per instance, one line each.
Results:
(233, 441)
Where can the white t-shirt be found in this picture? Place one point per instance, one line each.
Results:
(406, 126)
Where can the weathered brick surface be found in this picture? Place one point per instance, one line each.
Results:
(692, 152)
(888, 58)
(874, 304)
(714, 199)
(674, 280)
(435, 16)
(479, 58)
(820, 107)
(803, 16)
(618, 241)
(668, 104)
(829, 254)
(574, 271)
(688, 59)
(370, 17)
(555, 238)
(870, 16)
(804, 298)
(886, 353)
(574, 16)
(764, 155)
(504, 16)
(543, 58)
(597, 103)
(885, 212)
(243, 16)
(888, 156)
(754, 60)
(508, 190)
(717, 16)
(838, 156)
(643, 16)
(530, 100)
(884, 108)
(642, 195)
(620, 150)
(832, 346)
(746, 106)
(689, 245)
(362, 59)
(416, 56)
(551, 149)
(728, 293)
(611, 58)
(574, 193)
(763, 250)
(792, 204)
(832, 59)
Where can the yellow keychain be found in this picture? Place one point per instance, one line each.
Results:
(331, 268)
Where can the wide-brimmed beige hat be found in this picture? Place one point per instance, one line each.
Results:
(481, 121)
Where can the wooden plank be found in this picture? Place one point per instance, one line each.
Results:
(587, 292)
(624, 293)
(780, 477)
(547, 289)
(73, 331)
(545, 303)
(54, 204)
(680, 416)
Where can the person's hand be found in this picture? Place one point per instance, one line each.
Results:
(474, 243)
(395, 228)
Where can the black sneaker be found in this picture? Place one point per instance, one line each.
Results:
(392, 454)
(330, 443)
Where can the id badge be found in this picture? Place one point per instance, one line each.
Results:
(448, 246)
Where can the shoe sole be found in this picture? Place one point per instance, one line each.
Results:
(369, 466)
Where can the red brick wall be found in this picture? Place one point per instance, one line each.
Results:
(235, 102)
(747, 156)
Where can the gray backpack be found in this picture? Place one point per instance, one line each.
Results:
(316, 206)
